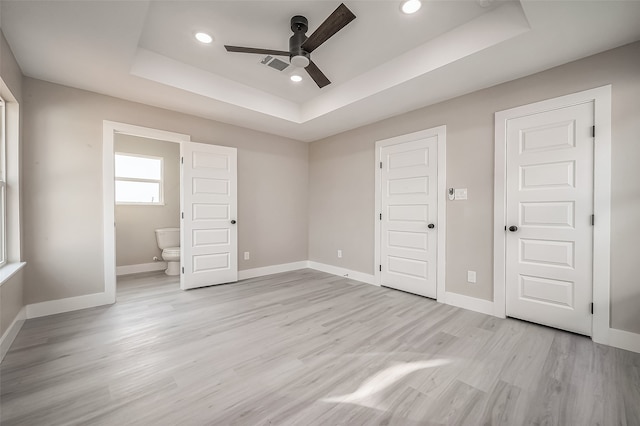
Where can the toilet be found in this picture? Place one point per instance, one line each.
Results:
(169, 242)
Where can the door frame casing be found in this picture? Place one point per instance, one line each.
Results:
(601, 98)
(109, 131)
(441, 133)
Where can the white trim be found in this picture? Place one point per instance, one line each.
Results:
(8, 270)
(52, 307)
(10, 334)
(13, 167)
(624, 340)
(602, 211)
(109, 129)
(441, 133)
(273, 269)
(467, 302)
(342, 272)
(601, 97)
(442, 211)
(141, 267)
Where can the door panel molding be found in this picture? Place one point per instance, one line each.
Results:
(440, 133)
(601, 98)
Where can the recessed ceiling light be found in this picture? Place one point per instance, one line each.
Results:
(204, 38)
(411, 6)
(296, 78)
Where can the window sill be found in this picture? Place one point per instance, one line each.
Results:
(8, 270)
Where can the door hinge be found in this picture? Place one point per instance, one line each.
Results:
(182, 214)
(380, 216)
(593, 131)
(593, 220)
(381, 164)
(380, 268)
(181, 160)
(591, 308)
(183, 269)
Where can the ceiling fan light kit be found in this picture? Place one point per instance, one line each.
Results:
(300, 61)
(301, 46)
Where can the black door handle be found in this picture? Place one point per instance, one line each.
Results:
(431, 226)
(233, 221)
(513, 228)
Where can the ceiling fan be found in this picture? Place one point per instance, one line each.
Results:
(301, 46)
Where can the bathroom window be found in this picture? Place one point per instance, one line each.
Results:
(138, 179)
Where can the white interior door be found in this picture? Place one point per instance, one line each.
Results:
(209, 237)
(549, 244)
(409, 206)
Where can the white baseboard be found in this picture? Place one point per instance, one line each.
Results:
(273, 269)
(59, 306)
(624, 340)
(466, 302)
(342, 272)
(10, 334)
(142, 267)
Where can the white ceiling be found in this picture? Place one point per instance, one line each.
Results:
(382, 64)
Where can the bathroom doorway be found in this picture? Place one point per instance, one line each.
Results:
(147, 199)
(129, 227)
(208, 208)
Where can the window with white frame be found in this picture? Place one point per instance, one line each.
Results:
(3, 185)
(138, 179)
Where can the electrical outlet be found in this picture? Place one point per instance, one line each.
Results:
(246, 255)
(339, 253)
(471, 276)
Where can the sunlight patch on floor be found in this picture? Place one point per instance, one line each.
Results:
(367, 395)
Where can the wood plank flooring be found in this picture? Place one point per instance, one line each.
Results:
(306, 348)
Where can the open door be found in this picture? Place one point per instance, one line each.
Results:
(209, 234)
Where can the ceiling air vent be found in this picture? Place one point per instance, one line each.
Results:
(274, 63)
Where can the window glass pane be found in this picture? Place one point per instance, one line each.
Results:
(3, 234)
(129, 166)
(137, 192)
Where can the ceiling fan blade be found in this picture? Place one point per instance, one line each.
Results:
(239, 49)
(334, 23)
(317, 75)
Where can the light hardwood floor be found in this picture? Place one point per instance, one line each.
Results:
(306, 348)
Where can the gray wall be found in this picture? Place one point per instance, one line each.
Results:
(11, 291)
(11, 300)
(136, 225)
(63, 186)
(341, 177)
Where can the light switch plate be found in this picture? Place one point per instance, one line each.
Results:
(461, 194)
(246, 255)
(471, 276)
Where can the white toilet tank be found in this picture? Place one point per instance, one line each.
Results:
(168, 237)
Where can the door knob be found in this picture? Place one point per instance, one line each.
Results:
(431, 226)
(233, 221)
(513, 228)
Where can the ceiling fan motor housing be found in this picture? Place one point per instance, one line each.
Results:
(297, 55)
